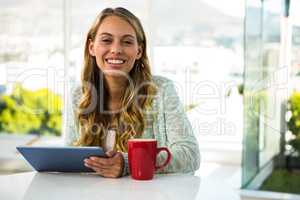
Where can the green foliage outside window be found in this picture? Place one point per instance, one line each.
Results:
(294, 121)
(30, 112)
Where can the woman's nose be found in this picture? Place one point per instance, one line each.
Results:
(116, 48)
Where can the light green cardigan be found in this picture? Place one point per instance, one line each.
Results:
(169, 125)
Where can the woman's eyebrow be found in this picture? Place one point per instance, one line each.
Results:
(128, 36)
(105, 34)
(123, 36)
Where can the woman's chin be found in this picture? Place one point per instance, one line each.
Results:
(115, 72)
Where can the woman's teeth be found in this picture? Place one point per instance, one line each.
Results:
(115, 61)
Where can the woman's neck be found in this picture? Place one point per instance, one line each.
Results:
(116, 88)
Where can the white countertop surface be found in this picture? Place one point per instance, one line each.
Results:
(52, 186)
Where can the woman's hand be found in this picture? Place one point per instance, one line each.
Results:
(111, 167)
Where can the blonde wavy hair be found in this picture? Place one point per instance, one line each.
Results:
(130, 122)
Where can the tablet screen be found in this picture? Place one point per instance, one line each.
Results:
(59, 159)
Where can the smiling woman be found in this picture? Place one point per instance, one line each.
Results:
(115, 45)
(119, 99)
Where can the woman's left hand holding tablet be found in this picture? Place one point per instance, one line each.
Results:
(110, 167)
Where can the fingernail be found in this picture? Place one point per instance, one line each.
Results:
(94, 158)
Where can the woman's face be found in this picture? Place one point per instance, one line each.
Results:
(115, 46)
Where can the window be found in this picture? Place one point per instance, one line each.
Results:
(201, 51)
(31, 66)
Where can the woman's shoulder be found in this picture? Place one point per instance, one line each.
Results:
(165, 88)
(76, 93)
(161, 82)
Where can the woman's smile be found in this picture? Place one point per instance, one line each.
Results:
(115, 62)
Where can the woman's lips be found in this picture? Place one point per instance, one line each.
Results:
(114, 63)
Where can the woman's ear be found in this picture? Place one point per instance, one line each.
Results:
(91, 48)
(140, 52)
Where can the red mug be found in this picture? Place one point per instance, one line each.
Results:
(142, 158)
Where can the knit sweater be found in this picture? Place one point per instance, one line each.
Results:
(169, 125)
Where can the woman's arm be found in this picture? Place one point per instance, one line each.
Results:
(178, 134)
(116, 161)
(71, 133)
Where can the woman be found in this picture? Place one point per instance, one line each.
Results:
(119, 99)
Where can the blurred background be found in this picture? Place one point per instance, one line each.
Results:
(236, 67)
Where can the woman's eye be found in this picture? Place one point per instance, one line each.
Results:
(106, 40)
(128, 42)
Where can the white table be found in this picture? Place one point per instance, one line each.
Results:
(52, 186)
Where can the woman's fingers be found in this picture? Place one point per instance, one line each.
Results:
(111, 153)
(97, 164)
(108, 173)
(107, 167)
(97, 169)
(102, 161)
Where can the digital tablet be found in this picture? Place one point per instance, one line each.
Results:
(59, 159)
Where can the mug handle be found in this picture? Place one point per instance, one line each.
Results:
(158, 150)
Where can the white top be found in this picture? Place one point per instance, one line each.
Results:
(47, 186)
(57, 186)
(110, 140)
